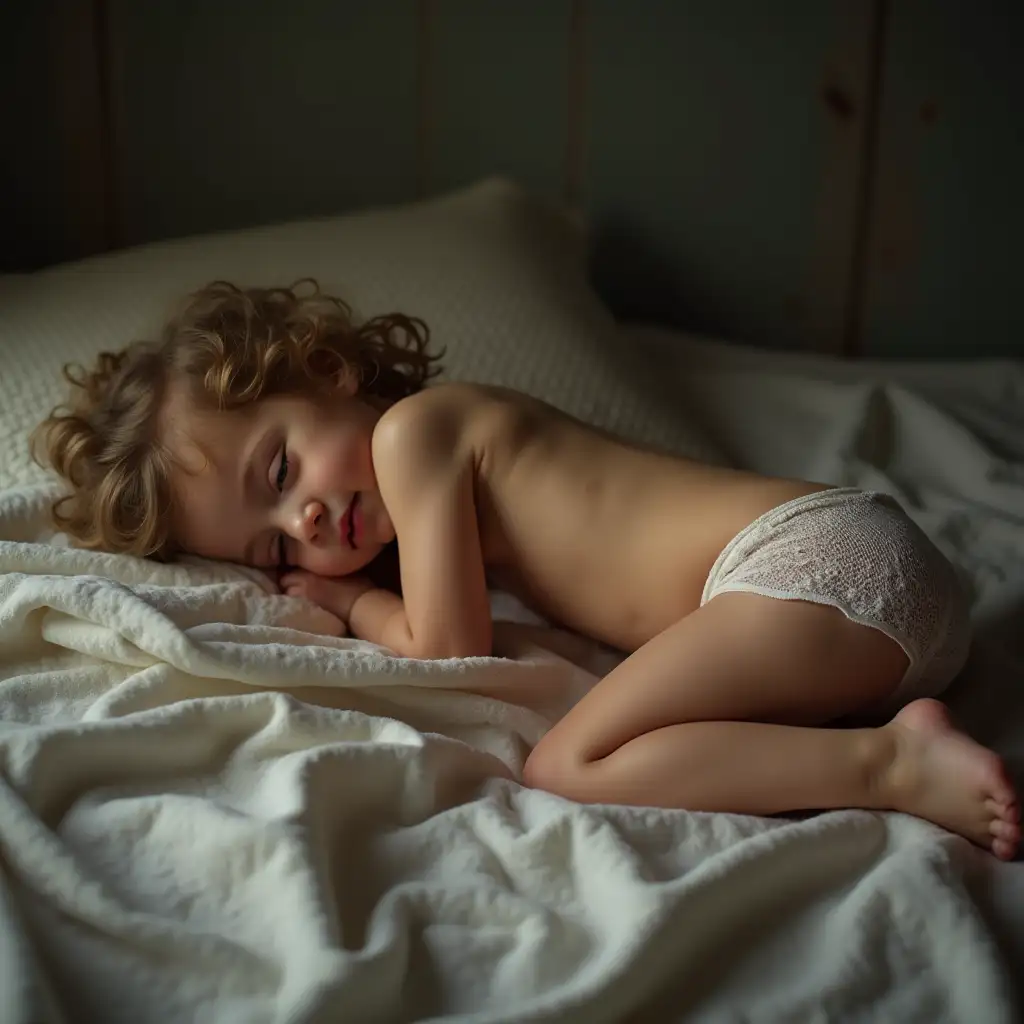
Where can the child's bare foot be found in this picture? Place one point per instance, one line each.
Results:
(941, 774)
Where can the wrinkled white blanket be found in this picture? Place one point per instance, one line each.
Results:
(213, 810)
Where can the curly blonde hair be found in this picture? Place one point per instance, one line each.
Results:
(229, 347)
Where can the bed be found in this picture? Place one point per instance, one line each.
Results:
(214, 806)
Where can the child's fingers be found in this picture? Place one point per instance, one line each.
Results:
(293, 587)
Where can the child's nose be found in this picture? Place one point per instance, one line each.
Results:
(312, 520)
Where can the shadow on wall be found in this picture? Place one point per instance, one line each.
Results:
(639, 281)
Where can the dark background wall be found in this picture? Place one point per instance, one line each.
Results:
(832, 175)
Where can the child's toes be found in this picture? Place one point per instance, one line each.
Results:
(1004, 849)
(1000, 789)
(1007, 830)
(1005, 838)
(1004, 811)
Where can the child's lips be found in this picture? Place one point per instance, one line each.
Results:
(355, 515)
(347, 527)
(344, 526)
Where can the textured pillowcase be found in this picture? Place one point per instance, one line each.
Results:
(499, 277)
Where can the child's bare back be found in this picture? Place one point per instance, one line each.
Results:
(267, 427)
(600, 536)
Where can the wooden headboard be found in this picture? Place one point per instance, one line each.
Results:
(831, 175)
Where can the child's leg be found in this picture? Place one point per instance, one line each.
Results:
(681, 724)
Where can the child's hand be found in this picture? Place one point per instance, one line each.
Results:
(335, 593)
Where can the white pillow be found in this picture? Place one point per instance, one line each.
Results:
(499, 277)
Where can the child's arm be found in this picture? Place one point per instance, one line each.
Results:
(370, 612)
(337, 594)
(427, 486)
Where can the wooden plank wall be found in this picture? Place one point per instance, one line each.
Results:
(946, 217)
(827, 175)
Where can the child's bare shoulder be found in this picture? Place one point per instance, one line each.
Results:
(447, 414)
(446, 423)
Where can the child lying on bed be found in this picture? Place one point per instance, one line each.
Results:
(266, 428)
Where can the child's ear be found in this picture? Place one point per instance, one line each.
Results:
(348, 383)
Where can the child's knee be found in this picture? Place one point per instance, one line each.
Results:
(553, 767)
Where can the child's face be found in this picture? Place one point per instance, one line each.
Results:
(285, 481)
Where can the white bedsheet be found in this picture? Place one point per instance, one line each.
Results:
(179, 841)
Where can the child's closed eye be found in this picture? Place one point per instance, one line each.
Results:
(282, 470)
